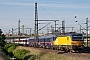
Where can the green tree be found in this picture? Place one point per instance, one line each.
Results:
(2, 38)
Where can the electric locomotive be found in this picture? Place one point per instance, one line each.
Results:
(77, 41)
(68, 42)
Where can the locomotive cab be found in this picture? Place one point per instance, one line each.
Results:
(77, 41)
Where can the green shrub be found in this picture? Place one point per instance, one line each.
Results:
(10, 47)
(20, 54)
(7, 46)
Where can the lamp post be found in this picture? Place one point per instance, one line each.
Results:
(78, 24)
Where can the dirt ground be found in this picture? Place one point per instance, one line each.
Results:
(3, 56)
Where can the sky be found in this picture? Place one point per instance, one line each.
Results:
(63, 10)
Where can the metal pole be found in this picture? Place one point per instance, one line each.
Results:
(12, 35)
(26, 39)
(22, 30)
(87, 30)
(72, 29)
(36, 25)
(9, 36)
(51, 29)
(63, 27)
(47, 30)
(19, 29)
(78, 24)
(9, 33)
(80, 28)
(30, 31)
(12, 31)
(59, 30)
(55, 26)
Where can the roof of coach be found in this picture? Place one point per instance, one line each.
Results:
(79, 34)
(47, 36)
(22, 39)
(31, 37)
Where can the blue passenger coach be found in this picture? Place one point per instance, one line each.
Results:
(43, 41)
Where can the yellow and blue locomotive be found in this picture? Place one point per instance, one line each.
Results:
(72, 41)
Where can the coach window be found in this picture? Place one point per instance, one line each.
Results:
(31, 40)
(41, 40)
(47, 40)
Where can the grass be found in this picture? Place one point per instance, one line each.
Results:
(36, 54)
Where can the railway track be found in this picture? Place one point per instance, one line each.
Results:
(84, 55)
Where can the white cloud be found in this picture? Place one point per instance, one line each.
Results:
(64, 5)
(12, 3)
(54, 1)
(57, 5)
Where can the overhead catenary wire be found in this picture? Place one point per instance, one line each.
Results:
(44, 26)
(46, 20)
(48, 12)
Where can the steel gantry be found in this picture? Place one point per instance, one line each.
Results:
(36, 25)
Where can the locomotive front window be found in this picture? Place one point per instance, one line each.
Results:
(77, 37)
(74, 38)
(80, 38)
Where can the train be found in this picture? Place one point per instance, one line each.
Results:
(68, 42)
